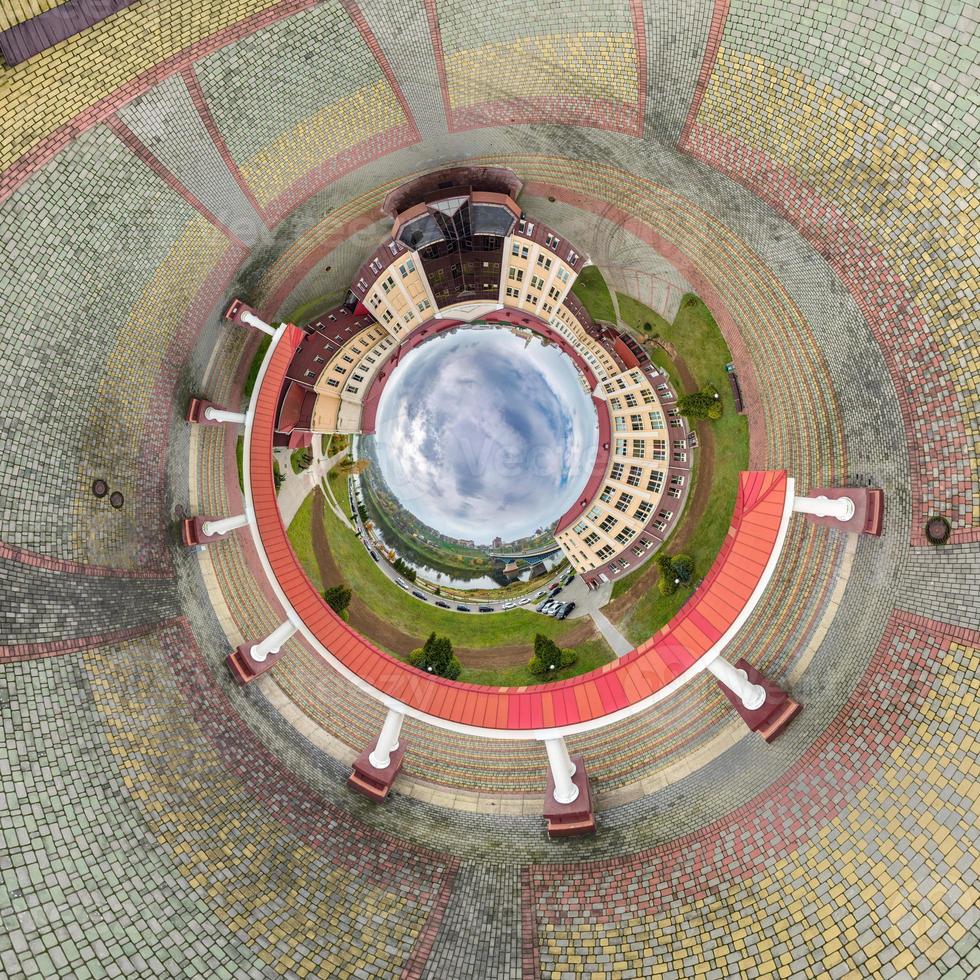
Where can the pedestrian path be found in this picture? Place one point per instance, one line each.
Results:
(620, 645)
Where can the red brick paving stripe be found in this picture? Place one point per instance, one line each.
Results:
(16, 652)
(422, 949)
(359, 21)
(640, 33)
(204, 112)
(530, 951)
(25, 557)
(42, 152)
(718, 17)
(432, 16)
(617, 117)
(141, 150)
(780, 819)
(897, 325)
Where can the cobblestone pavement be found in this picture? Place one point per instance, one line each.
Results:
(808, 169)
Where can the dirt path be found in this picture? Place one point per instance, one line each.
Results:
(385, 634)
(618, 610)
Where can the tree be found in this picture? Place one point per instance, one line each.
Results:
(338, 598)
(683, 567)
(549, 657)
(436, 657)
(696, 405)
(666, 585)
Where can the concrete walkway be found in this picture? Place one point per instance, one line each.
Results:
(620, 645)
(298, 486)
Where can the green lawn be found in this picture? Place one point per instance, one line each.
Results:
(638, 316)
(594, 294)
(253, 370)
(240, 459)
(305, 312)
(700, 345)
(591, 655)
(417, 618)
(297, 460)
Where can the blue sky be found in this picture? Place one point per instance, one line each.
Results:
(479, 435)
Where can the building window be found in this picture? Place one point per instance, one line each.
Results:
(616, 473)
(515, 249)
(615, 402)
(591, 539)
(636, 472)
(388, 284)
(594, 513)
(606, 551)
(352, 389)
(318, 359)
(424, 305)
(625, 499)
(648, 396)
(620, 447)
(608, 522)
(638, 449)
(625, 535)
(607, 493)
(620, 423)
(644, 511)
(631, 399)
(310, 374)
(656, 420)
(580, 527)
(406, 268)
(659, 449)
(636, 423)
(656, 482)
(563, 275)
(333, 382)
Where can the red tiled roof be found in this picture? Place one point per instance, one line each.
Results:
(615, 687)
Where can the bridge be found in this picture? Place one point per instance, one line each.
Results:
(531, 557)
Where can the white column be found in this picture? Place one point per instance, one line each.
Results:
(272, 643)
(842, 509)
(213, 414)
(562, 770)
(226, 524)
(253, 321)
(736, 680)
(380, 758)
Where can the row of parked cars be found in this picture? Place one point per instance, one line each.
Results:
(556, 608)
(440, 602)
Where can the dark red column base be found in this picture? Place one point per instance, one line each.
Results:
(235, 310)
(574, 819)
(373, 783)
(777, 712)
(195, 412)
(191, 533)
(869, 509)
(243, 668)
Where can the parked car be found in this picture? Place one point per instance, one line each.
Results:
(374, 555)
(543, 606)
(486, 608)
(556, 610)
(508, 605)
(463, 608)
(566, 610)
(567, 578)
(444, 605)
(524, 601)
(554, 591)
(418, 595)
(401, 582)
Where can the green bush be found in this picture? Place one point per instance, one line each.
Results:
(436, 657)
(406, 571)
(549, 657)
(699, 404)
(683, 567)
(277, 475)
(338, 598)
(666, 585)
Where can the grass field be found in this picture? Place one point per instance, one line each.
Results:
(419, 619)
(700, 345)
(253, 370)
(592, 290)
